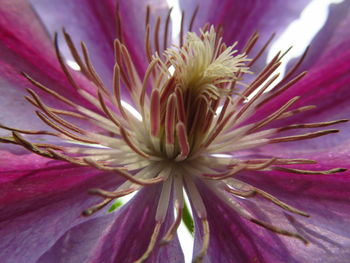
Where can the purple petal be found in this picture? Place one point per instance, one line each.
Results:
(325, 198)
(326, 87)
(133, 14)
(90, 21)
(125, 238)
(332, 40)
(25, 47)
(40, 201)
(236, 239)
(94, 22)
(240, 19)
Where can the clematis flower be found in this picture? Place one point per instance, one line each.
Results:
(261, 162)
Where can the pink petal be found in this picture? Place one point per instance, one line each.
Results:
(25, 47)
(240, 19)
(133, 14)
(325, 86)
(90, 21)
(40, 200)
(332, 39)
(126, 238)
(236, 239)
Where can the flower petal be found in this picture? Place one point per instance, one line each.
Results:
(236, 239)
(240, 19)
(325, 198)
(126, 238)
(90, 21)
(94, 22)
(25, 47)
(40, 199)
(332, 39)
(133, 15)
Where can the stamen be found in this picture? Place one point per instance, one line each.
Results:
(95, 208)
(155, 113)
(149, 70)
(63, 65)
(107, 111)
(75, 53)
(251, 43)
(298, 171)
(56, 118)
(172, 230)
(148, 12)
(179, 204)
(296, 111)
(62, 157)
(279, 230)
(261, 51)
(303, 136)
(27, 131)
(118, 22)
(31, 147)
(131, 144)
(193, 18)
(170, 125)
(236, 168)
(183, 142)
(116, 89)
(205, 243)
(312, 125)
(166, 29)
(49, 91)
(164, 198)
(274, 115)
(255, 98)
(180, 106)
(297, 65)
(255, 191)
(156, 35)
(115, 194)
(92, 72)
(125, 174)
(283, 88)
(151, 244)
(148, 43)
(60, 129)
(182, 28)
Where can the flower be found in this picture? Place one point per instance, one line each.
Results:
(257, 194)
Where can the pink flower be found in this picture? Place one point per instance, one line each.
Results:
(265, 177)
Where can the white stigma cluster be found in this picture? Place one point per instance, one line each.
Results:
(204, 62)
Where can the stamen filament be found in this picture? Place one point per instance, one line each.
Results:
(151, 244)
(205, 243)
